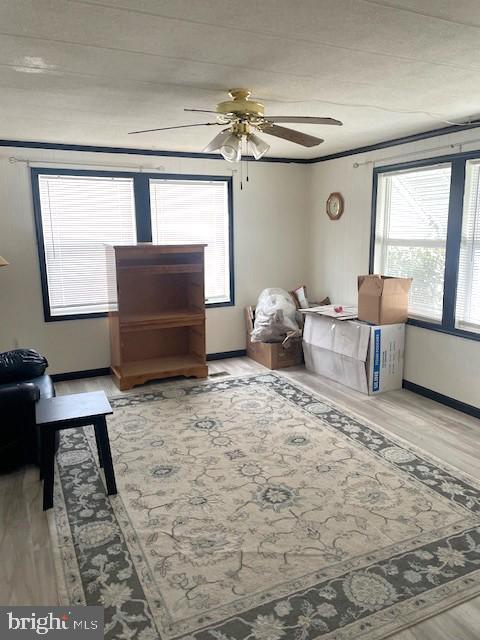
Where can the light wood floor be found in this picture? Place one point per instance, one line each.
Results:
(26, 565)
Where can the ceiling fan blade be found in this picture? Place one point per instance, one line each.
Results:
(201, 111)
(304, 120)
(181, 126)
(298, 137)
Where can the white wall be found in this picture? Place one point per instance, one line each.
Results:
(339, 251)
(282, 238)
(270, 236)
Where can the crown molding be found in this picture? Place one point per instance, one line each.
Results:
(385, 144)
(60, 146)
(395, 142)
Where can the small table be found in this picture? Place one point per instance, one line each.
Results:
(70, 412)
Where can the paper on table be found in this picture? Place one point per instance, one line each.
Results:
(347, 313)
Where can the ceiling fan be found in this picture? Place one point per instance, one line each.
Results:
(244, 116)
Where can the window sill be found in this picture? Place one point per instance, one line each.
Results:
(214, 305)
(104, 314)
(76, 316)
(433, 326)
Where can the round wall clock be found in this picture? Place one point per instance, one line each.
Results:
(335, 205)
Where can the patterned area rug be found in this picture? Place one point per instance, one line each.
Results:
(251, 509)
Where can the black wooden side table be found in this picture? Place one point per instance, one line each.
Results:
(70, 412)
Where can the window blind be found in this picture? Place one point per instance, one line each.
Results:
(191, 212)
(467, 314)
(79, 215)
(411, 233)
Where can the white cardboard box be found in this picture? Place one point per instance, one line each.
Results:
(361, 356)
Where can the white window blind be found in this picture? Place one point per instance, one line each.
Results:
(79, 215)
(411, 233)
(191, 212)
(467, 314)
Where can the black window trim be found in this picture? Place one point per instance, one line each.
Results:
(141, 187)
(454, 234)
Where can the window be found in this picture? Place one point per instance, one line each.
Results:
(468, 289)
(78, 212)
(194, 212)
(426, 225)
(411, 233)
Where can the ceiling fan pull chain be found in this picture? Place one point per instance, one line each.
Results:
(245, 155)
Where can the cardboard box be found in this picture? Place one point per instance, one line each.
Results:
(272, 355)
(383, 300)
(360, 356)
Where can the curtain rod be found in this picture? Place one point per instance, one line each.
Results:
(460, 145)
(140, 168)
(56, 163)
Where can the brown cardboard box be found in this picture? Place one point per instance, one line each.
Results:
(383, 300)
(272, 355)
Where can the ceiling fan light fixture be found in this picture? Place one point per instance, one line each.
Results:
(258, 146)
(231, 149)
(217, 142)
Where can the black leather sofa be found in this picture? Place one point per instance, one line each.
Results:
(19, 436)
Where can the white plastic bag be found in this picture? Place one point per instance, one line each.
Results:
(275, 317)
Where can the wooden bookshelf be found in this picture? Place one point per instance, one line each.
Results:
(158, 328)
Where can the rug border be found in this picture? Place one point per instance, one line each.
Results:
(427, 613)
(58, 549)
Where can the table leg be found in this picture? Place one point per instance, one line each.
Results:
(99, 448)
(106, 454)
(42, 457)
(48, 467)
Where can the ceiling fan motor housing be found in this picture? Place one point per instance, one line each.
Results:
(240, 104)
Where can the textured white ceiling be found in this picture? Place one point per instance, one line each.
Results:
(89, 71)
